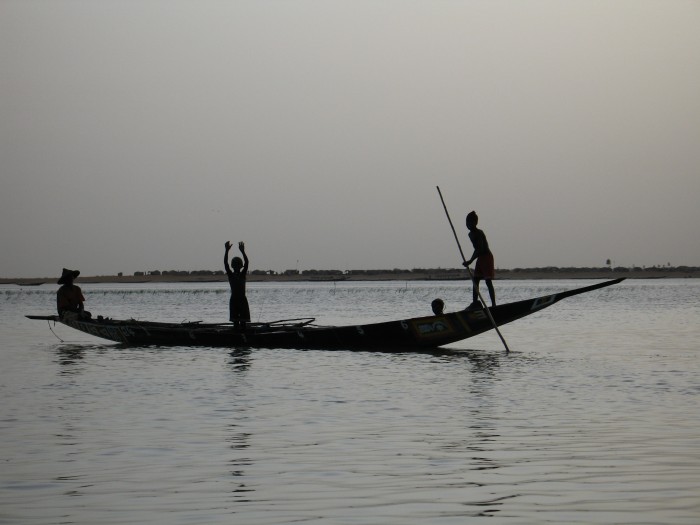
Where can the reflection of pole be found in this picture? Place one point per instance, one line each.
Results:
(488, 312)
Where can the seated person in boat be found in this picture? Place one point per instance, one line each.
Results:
(484, 268)
(239, 312)
(438, 306)
(69, 298)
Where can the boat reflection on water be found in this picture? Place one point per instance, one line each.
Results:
(240, 359)
(69, 355)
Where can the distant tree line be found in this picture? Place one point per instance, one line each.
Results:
(619, 269)
(429, 271)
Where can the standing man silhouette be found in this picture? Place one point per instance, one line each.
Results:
(239, 312)
(484, 268)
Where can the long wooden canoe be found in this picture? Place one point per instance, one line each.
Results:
(404, 334)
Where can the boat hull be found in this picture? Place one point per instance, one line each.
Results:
(413, 333)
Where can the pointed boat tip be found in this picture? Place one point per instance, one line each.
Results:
(613, 281)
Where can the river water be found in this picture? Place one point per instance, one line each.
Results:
(592, 418)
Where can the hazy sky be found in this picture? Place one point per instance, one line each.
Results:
(141, 135)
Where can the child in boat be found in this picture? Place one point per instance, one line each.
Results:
(438, 306)
(69, 298)
(239, 312)
(484, 268)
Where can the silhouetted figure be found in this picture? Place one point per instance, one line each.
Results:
(438, 306)
(239, 312)
(69, 298)
(484, 268)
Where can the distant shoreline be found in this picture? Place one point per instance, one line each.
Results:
(503, 275)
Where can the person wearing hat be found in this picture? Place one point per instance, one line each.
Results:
(69, 297)
(484, 268)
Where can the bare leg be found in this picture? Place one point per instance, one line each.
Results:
(492, 292)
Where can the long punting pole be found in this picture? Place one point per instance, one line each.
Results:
(488, 312)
